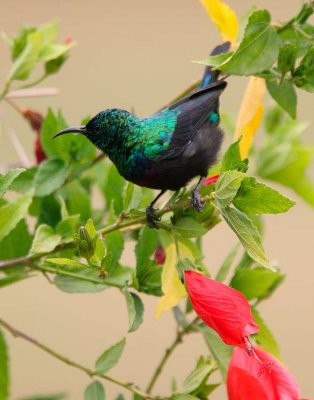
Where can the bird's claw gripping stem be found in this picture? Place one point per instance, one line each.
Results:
(151, 217)
(197, 201)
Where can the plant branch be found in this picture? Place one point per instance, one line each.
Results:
(128, 386)
(178, 339)
(122, 223)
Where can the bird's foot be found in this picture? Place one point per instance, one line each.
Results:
(197, 201)
(151, 217)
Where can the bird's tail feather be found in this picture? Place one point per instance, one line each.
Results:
(211, 75)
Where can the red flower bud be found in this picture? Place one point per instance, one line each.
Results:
(222, 308)
(39, 152)
(35, 119)
(160, 255)
(68, 39)
(244, 381)
(211, 179)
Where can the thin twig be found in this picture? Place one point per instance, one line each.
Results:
(178, 339)
(120, 224)
(18, 334)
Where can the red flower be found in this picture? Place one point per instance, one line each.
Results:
(245, 383)
(222, 308)
(160, 255)
(211, 179)
(35, 119)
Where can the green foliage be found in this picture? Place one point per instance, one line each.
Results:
(95, 391)
(7, 179)
(283, 55)
(256, 283)
(135, 309)
(110, 357)
(284, 158)
(12, 213)
(220, 351)
(258, 49)
(4, 369)
(33, 47)
(264, 337)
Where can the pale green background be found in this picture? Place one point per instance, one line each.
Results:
(135, 54)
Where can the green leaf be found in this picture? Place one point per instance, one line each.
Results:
(232, 159)
(200, 373)
(264, 337)
(189, 227)
(183, 396)
(257, 198)
(81, 281)
(135, 310)
(10, 247)
(78, 200)
(285, 159)
(220, 351)
(11, 214)
(24, 181)
(113, 190)
(50, 176)
(27, 59)
(303, 76)
(285, 95)
(247, 234)
(45, 240)
(19, 42)
(7, 179)
(213, 61)
(58, 396)
(256, 283)
(132, 196)
(148, 274)
(13, 278)
(258, 49)
(226, 265)
(227, 187)
(287, 58)
(114, 244)
(4, 369)
(68, 227)
(146, 245)
(95, 391)
(109, 358)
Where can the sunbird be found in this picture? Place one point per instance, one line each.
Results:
(166, 150)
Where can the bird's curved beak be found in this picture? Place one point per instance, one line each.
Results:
(77, 129)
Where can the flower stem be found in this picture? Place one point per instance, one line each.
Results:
(128, 386)
(178, 339)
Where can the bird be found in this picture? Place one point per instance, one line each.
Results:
(167, 150)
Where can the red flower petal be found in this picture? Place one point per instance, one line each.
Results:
(160, 255)
(211, 179)
(222, 308)
(245, 383)
(68, 39)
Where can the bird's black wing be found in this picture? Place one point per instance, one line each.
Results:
(193, 111)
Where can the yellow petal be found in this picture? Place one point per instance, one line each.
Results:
(171, 285)
(223, 17)
(250, 115)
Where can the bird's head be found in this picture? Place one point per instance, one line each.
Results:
(102, 129)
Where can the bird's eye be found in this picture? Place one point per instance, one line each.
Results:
(97, 128)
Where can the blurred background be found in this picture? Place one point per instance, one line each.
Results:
(136, 55)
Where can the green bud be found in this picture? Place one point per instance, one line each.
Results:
(86, 246)
(287, 58)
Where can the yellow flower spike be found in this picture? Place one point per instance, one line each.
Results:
(223, 17)
(250, 115)
(171, 285)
